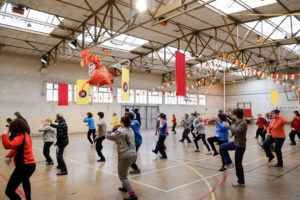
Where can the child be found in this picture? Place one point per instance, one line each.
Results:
(261, 123)
(200, 134)
(160, 145)
(48, 136)
(124, 138)
(100, 136)
(92, 129)
(174, 124)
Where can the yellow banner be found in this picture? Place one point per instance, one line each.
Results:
(82, 93)
(125, 84)
(274, 97)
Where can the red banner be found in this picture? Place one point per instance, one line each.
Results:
(62, 94)
(180, 74)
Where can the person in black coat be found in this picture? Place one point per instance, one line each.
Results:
(61, 143)
(137, 114)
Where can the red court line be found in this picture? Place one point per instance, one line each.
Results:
(41, 180)
(219, 185)
(18, 191)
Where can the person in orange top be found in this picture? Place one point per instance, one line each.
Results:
(21, 151)
(276, 134)
(295, 125)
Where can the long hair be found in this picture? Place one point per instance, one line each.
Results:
(19, 126)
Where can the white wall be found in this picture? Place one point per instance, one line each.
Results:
(23, 89)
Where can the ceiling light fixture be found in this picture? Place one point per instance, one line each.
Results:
(141, 5)
(45, 59)
(73, 44)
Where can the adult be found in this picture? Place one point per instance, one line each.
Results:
(48, 138)
(221, 134)
(200, 134)
(174, 122)
(239, 132)
(137, 115)
(193, 117)
(261, 125)
(187, 129)
(276, 134)
(126, 111)
(92, 129)
(19, 116)
(100, 136)
(115, 120)
(160, 145)
(21, 151)
(295, 125)
(62, 140)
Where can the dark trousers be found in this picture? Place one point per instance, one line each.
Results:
(264, 132)
(259, 132)
(292, 136)
(198, 137)
(238, 156)
(185, 135)
(160, 146)
(99, 147)
(20, 175)
(174, 126)
(60, 159)
(192, 129)
(46, 151)
(90, 132)
(278, 145)
(213, 139)
(134, 165)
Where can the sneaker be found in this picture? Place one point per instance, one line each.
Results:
(49, 163)
(230, 166)
(208, 153)
(131, 198)
(137, 171)
(222, 169)
(238, 185)
(189, 142)
(62, 173)
(101, 160)
(278, 165)
(215, 154)
(293, 143)
(154, 151)
(122, 189)
(164, 157)
(197, 150)
(271, 158)
(180, 140)
(58, 167)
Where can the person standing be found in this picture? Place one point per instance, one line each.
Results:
(137, 115)
(100, 136)
(126, 111)
(9, 121)
(200, 134)
(261, 125)
(193, 117)
(239, 132)
(135, 125)
(21, 151)
(276, 134)
(221, 135)
(92, 129)
(187, 129)
(48, 137)
(295, 125)
(62, 140)
(160, 145)
(19, 116)
(174, 124)
(157, 125)
(124, 138)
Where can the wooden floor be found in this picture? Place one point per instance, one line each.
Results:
(185, 175)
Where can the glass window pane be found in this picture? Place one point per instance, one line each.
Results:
(49, 95)
(49, 86)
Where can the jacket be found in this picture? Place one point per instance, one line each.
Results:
(101, 128)
(138, 115)
(48, 133)
(135, 125)
(295, 124)
(115, 120)
(62, 138)
(221, 131)
(199, 126)
(239, 132)
(164, 129)
(124, 138)
(174, 120)
(261, 122)
(276, 127)
(90, 122)
(187, 123)
(21, 148)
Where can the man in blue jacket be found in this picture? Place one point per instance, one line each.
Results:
(135, 125)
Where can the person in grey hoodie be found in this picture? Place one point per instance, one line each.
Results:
(199, 132)
(187, 129)
(124, 138)
(48, 136)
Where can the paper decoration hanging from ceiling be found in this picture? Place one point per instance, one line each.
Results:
(180, 74)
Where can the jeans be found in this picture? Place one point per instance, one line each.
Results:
(213, 139)
(160, 146)
(292, 136)
(174, 126)
(134, 165)
(239, 153)
(90, 132)
(60, 159)
(99, 147)
(46, 151)
(278, 145)
(20, 175)
(198, 137)
(185, 135)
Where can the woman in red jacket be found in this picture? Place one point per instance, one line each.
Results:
(295, 125)
(21, 151)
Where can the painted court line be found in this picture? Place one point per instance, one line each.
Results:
(18, 191)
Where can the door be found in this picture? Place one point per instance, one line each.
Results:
(152, 114)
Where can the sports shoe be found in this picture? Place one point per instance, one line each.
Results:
(163, 157)
(278, 165)
(293, 143)
(62, 173)
(137, 171)
(271, 158)
(154, 151)
(208, 153)
(122, 189)
(180, 140)
(101, 160)
(49, 163)
(189, 142)
(131, 198)
(238, 185)
(230, 166)
(215, 154)
(222, 169)
(197, 150)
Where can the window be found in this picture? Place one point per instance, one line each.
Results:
(192, 99)
(102, 95)
(141, 96)
(170, 98)
(202, 100)
(154, 98)
(131, 98)
(52, 92)
(181, 100)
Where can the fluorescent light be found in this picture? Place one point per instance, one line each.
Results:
(141, 5)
